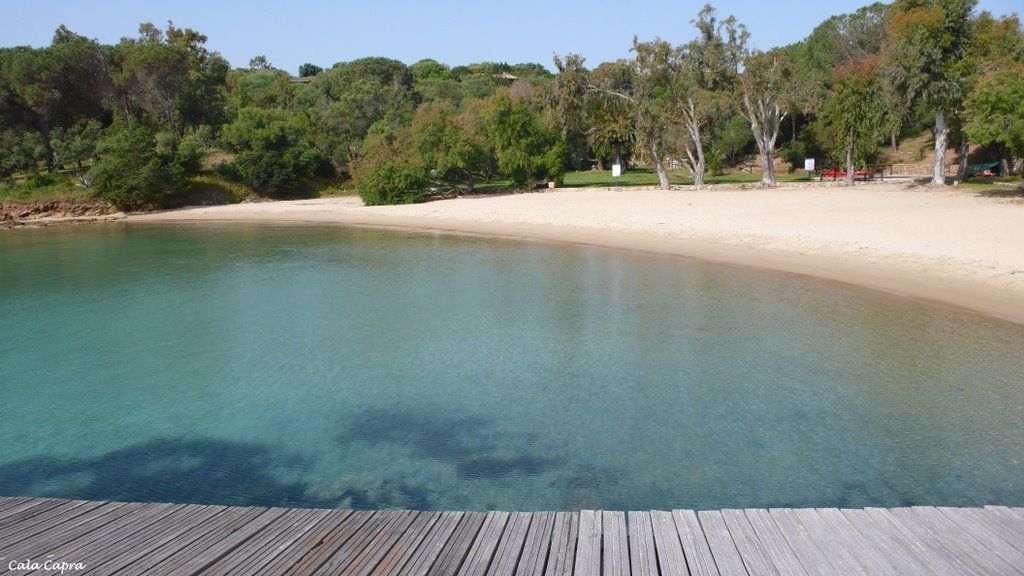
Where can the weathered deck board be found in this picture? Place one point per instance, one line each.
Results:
(538, 543)
(454, 552)
(562, 556)
(671, 560)
(192, 540)
(482, 550)
(588, 545)
(699, 559)
(643, 555)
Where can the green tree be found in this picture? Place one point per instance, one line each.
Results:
(346, 100)
(388, 171)
(927, 49)
(567, 98)
(133, 172)
(449, 147)
(77, 144)
(995, 111)
(708, 74)
(854, 111)
(308, 70)
(44, 89)
(526, 148)
(273, 153)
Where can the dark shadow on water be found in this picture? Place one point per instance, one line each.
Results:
(198, 471)
(469, 443)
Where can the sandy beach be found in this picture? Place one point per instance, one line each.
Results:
(951, 246)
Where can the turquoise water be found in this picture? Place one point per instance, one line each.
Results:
(324, 366)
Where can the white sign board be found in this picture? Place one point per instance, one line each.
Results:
(616, 170)
(809, 164)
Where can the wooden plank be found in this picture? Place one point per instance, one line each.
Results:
(513, 539)
(883, 543)
(223, 547)
(723, 549)
(47, 520)
(119, 549)
(16, 506)
(979, 524)
(1010, 528)
(911, 545)
(699, 558)
(286, 542)
(91, 544)
(82, 526)
(826, 539)
(615, 544)
(341, 549)
(406, 546)
(564, 534)
(133, 551)
(755, 557)
(643, 553)
(671, 559)
(266, 542)
(374, 550)
(774, 542)
(1008, 516)
(430, 550)
(538, 543)
(355, 526)
(479, 557)
(455, 551)
(189, 542)
(873, 552)
(812, 558)
(9, 501)
(25, 513)
(335, 526)
(955, 538)
(588, 545)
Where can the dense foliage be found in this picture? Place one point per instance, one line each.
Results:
(135, 121)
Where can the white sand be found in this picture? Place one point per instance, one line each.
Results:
(951, 246)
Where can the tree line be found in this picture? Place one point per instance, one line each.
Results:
(137, 120)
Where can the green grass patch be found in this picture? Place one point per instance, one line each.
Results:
(648, 177)
(44, 188)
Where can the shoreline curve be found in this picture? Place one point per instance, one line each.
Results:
(939, 279)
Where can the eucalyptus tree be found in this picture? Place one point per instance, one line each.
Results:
(707, 73)
(567, 99)
(927, 48)
(649, 96)
(766, 92)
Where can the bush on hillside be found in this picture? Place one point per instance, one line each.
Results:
(133, 173)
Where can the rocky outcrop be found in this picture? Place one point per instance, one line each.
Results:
(13, 214)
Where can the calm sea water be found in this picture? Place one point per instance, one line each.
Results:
(324, 366)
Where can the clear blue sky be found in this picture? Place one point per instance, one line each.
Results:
(452, 31)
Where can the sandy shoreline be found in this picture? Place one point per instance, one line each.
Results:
(950, 246)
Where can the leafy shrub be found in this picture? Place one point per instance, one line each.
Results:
(390, 172)
(273, 153)
(132, 173)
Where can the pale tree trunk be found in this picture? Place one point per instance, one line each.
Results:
(895, 142)
(849, 161)
(941, 141)
(659, 166)
(694, 148)
(765, 117)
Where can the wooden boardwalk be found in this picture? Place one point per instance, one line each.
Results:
(173, 539)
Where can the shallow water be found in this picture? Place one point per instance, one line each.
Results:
(325, 366)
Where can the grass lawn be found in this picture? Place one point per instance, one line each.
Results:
(648, 177)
